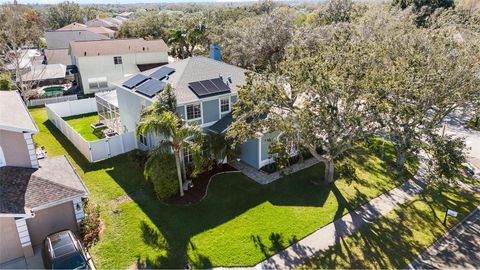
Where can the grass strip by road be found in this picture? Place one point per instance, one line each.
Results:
(395, 239)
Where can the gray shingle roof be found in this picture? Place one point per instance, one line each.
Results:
(61, 39)
(22, 189)
(14, 115)
(198, 68)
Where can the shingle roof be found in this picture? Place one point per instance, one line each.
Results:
(23, 189)
(72, 26)
(59, 56)
(45, 72)
(14, 115)
(117, 46)
(100, 30)
(61, 39)
(198, 68)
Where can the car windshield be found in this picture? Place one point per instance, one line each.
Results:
(73, 261)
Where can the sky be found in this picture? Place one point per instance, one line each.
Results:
(115, 1)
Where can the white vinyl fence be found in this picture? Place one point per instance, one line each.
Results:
(43, 101)
(94, 150)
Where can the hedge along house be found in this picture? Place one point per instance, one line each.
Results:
(205, 90)
(37, 197)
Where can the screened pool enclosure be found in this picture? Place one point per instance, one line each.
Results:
(108, 112)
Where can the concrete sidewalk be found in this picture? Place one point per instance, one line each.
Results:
(329, 235)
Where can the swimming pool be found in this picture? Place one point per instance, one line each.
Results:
(54, 90)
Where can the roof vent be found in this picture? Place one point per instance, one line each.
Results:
(85, 53)
(230, 79)
(143, 48)
(220, 76)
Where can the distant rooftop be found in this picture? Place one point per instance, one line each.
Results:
(116, 46)
(14, 115)
(72, 27)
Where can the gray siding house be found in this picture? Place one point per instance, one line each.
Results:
(211, 111)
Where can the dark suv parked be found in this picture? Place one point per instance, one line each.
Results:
(62, 250)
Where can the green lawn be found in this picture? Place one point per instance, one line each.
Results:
(392, 241)
(81, 123)
(239, 223)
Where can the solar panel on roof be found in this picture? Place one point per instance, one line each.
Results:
(135, 80)
(220, 84)
(150, 88)
(209, 87)
(162, 73)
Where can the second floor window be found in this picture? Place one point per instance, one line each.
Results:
(193, 111)
(117, 60)
(225, 104)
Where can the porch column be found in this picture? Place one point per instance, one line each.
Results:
(78, 209)
(24, 236)
(31, 149)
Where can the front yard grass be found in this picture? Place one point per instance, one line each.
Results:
(394, 240)
(81, 123)
(239, 223)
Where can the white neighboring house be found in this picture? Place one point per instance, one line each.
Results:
(102, 61)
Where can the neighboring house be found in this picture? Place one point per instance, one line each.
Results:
(58, 41)
(110, 23)
(102, 61)
(37, 197)
(205, 90)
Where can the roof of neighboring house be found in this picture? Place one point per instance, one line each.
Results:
(61, 39)
(14, 115)
(105, 22)
(221, 125)
(100, 30)
(195, 69)
(125, 14)
(24, 189)
(116, 47)
(45, 72)
(73, 26)
(59, 56)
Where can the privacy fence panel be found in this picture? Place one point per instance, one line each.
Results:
(94, 150)
(43, 101)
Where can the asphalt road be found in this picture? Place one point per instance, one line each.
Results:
(459, 249)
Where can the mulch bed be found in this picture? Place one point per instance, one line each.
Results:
(200, 187)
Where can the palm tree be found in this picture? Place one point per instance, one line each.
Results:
(179, 137)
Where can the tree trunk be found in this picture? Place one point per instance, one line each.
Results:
(401, 157)
(179, 171)
(329, 170)
(184, 169)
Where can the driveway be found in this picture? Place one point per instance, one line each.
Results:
(459, 249)
(34, 262)
(455, 126)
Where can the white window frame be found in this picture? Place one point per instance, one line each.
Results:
(199, 109)
(227, 99)
(97, 83)
(116, 60)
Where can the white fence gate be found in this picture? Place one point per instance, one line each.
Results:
(43, 101)
(94, 150)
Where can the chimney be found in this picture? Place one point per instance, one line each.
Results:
(216, 52)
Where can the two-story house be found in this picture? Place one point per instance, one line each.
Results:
(37, 196)
(205, 90)
(102, 61)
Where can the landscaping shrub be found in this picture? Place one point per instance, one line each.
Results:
(161, 171)
(139, 157)
(91, 224)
